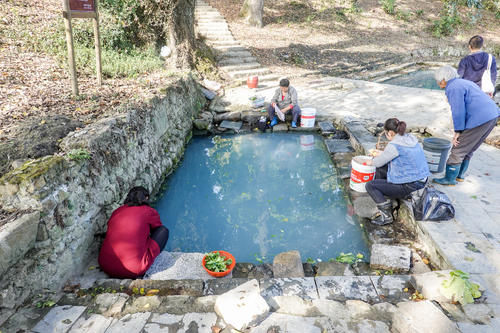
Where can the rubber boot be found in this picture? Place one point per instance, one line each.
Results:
(450, 177)
(463, 167)
(384, 214)
(274, 121)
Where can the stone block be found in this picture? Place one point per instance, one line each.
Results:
(281, 127)
(109, 304)
(278, 322)
(161, 323)
(242, 306)
(360, 136)
(221, 286)
(342, 288)
(59, 319)
(16, 238)
(262, 271)
(231, 116)
(233, 125)
(143, 304)
(201, 124)
(302, 287)
(478, 313)
(329, 308)
(288, 264)
(171, 287)
(177, 266)
(390, 257)
(391, 287)
(336, 146)
(178, 305)
(418, 266)
(292, 305)
(372, 326)
(251, 117)
(421, 317)
(326, 127)
(364, 207)
(384, 311)
(198, 322)
(477, 328)
(332, 269)
(131, 323)
(95, 324)
(358, 309)
(429, 284)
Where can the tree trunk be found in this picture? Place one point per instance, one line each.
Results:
(181, 34)
(252, 12)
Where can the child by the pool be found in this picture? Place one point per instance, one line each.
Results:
(401, 169)
(135, 237)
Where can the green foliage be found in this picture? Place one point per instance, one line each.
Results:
(448, 21)
(216, 262)
(310, 261)
(459, 288)
(389, 6)
(349, 258)
(79, 154)
(45, 304)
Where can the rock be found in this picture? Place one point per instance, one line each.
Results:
(241, 270)
(234, 125)
(342, 288)
(231, 116)
(336, 146)
(199, 322)
(326, 127)
(474, 328)
(421, 317)
(131, 323)
(302, 287)
(95, 324)
(478, 313)
(292, 305)
(201, 124)
(278, 322)
(418, 266)
(330, 308)
(165, 322)
(390, 257)
(372, 326)
(59, 319)
(365, 207)
(179, 305)
(288, 264)
(109, 304)
(281, 127)
(221, 286)
(251, 117)
(218, 104)
(361, 268)
(358, 309)
(210, 95)
(262, 271)
(391, 287)
(332, 268)
(429, 285)
(384, 311)
(242, 306)
(143, 304)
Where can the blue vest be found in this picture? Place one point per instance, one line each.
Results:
(409, 166)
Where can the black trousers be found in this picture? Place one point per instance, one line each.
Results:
(160, 236)
(380, 188)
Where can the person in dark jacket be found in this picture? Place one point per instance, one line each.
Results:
(474, 117)
(401, 169)
(135, 237)
(473, 66)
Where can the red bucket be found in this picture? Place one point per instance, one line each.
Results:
(253, 82)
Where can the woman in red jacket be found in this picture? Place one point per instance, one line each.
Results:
(134, 238)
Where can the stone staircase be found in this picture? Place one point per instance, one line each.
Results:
(232, 58)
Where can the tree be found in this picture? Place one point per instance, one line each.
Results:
(180, 26)
(252, 12)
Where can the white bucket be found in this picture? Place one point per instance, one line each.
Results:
(361, 174)
(307, 117)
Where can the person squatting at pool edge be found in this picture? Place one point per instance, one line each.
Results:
(474, 116)
(401, 169)
(135, 237)
(285, 98)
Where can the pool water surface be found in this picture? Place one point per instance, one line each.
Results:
(257, 195)
(418, 79)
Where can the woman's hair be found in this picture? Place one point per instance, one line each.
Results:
(137, 196)
(393, 124)
(445, 73)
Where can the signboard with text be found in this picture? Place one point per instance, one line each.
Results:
(82, 5)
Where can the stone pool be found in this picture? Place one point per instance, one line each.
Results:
(256, 195)
(418, 79)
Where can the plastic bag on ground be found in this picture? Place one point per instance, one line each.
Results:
(430, 204)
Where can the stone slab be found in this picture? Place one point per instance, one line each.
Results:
(391, 287)
(477, 328)
(429, 284)
(281, 127)
(109, 304)
(210, 95)
(143, 304)
(461, 257)
(390, 257)
(361, 135)
(131, 323)
(178, 266)
(489, 285)
(278, 322)
(288, 264)
(326, 127)
(234, 125)
(342, 288)
(421, 317)
(292, 305)
(332, 269)
(221, 286)
(364, 207)
(336, 146)
(95, 324)
(59, 319)
(198, 322)
(302, 287)
(242, 306)
(478, 313)
(170, 287)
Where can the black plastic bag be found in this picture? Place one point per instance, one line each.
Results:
(430, 204)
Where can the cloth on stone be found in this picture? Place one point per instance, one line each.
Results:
(280, 114)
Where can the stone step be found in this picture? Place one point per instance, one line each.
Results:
(210, 17)
(203, 20)
(229, 48)
(234, 54)
(232, 68)
(214, 31)
(236, 61)
(228, 38)
(223, 43)
(243, 74)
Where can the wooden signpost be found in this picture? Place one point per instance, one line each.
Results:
(81, 9)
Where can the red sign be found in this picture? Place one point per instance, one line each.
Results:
(82, 5)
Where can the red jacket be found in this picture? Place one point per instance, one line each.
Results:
(128, 251)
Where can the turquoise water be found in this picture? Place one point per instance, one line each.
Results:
(419, 79)
(257, 195)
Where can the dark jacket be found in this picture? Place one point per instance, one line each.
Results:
(472, 67)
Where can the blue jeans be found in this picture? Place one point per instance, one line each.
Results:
(295, 112)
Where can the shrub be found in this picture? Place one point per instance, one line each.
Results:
(389, 6)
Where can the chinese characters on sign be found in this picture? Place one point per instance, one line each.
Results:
(82, 5)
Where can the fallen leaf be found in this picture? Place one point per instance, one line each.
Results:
(152, 292)
(425, 261)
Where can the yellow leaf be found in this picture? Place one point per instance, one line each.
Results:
(152, 292)
(425, 261)
(91, 268)
(42, 122)
(405, 290)
(142, 291)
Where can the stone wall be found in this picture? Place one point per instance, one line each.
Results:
(67, 198)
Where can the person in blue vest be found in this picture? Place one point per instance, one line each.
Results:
(474, 116)
(401, 169)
